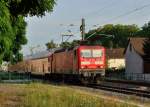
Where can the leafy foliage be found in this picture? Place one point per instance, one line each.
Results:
(147, 49)
(19, 26)
(120, 34)
(13, 25)
(65, 45)
(30, 7)
(69, 44)
(145, 31)
(51, 45)
(6, 30)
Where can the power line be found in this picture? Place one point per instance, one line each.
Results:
(101, 10)
(88, 15)
(128, 13)
(120, 16)
(123, 15)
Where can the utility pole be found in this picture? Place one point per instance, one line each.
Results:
(82, 28)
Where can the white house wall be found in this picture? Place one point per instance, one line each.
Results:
(134, 63)
(117, 63)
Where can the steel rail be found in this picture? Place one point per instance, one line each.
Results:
(140, 93)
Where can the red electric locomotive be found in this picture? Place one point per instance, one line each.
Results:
(91, 59)
(85, 62)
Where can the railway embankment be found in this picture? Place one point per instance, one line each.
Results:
(47, 95)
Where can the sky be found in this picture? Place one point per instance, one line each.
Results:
(96, 12)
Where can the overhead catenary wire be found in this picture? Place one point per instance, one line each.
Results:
(101, 10)
(90, 14)
(124, 14)
(117, 17)
(127, 13)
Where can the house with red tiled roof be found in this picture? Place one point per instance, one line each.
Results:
(115, 58)
(136, 64)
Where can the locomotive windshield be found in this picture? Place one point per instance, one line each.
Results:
(86, 53)
(97, 53)
(91, 53)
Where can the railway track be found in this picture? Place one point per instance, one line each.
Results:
(119, 89)
(140, 93)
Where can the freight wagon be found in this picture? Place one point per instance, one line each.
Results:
(35, 64)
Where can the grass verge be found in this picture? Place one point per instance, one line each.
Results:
(41, 95)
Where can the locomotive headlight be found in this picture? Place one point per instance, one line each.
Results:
(82, 67)
(85, 63)
(98, 62)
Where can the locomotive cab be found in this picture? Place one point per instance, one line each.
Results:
(91, 60)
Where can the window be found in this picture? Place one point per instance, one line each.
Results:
(86, 53)
(97, 53)
(91, 53)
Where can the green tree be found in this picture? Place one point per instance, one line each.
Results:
(6, 30)
(19, 31)
(147, 49)
(13, 25)
(120, 33)
(51, 45)
(65, 45)
(74, 43)
(145, 31)
(30, 7)
(19, 26)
